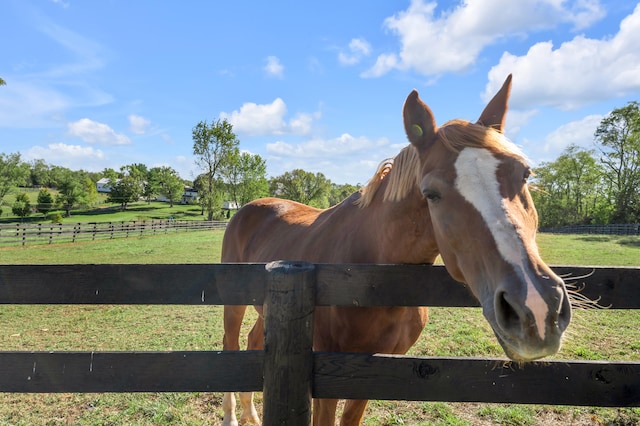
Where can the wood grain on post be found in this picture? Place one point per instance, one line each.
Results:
(288, 343)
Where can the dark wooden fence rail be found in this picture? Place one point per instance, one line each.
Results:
(49, 233)
(287, 290)
(609, 229)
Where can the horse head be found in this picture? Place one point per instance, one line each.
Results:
(485, 223)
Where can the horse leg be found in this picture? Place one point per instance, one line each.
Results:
(324, 412)
(353, 412)
(229, 409)
(255, 342)
(231, 342)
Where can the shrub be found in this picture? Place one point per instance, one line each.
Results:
(56, 217)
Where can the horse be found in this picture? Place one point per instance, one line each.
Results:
(459, 191)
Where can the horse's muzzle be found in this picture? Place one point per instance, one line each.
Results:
(530, 327)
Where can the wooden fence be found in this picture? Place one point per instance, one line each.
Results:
(610, 229)
(49, 233)
(288, 371)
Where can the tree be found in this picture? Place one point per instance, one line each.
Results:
(22, 206)
(619, 137)
(45, 201)
(569, 189)
(90, 191)
(340, 192)
(70, 193)
(57, 175)
(12, 173)
(39, 173)
(301, 186)
(246, 177)
(109, 173)
(212, 145)
(168, 183)
(124, 191)
(2, 82)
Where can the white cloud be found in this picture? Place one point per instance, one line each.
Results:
(274, 68)
(96, 133)
(344, 159)
(138, 124)
(516, 119)
(302, 123)
(358, 49)
(453, 40)
(268, 119)
(72, 156)
(383, 65)
(576, 73)
(256, 119)
(578, 132)
(315, 148)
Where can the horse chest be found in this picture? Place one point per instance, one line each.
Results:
(379, 329)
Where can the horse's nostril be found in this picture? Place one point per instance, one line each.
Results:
(506, 314)
(564, 316)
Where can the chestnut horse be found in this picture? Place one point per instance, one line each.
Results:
(459, 191)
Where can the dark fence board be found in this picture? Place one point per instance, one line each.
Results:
(239, 284)
(589, 383)
(336, 375)
(38, 372)
(614, 287)
(131, 284)
(389, 285)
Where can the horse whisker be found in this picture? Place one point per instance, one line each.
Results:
(580, 301)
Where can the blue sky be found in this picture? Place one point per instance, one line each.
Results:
(312, 85)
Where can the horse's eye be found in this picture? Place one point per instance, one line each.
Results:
(527, 174)
(431, 195)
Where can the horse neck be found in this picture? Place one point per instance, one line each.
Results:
(403, 229)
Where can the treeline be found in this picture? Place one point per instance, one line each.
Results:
(227, 174)
(594, 186)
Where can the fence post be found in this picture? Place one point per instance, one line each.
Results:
(288, 343)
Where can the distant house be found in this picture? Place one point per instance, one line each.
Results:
(230, 205)
(104, 185)
(189, 196)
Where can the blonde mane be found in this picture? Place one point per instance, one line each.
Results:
(455, 135)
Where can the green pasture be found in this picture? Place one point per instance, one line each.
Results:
(601, 335)
(107, 212)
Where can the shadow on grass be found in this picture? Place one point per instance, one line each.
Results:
(597, 238)
(629, 241)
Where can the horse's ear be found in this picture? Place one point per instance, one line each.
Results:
(419, 123)
(495, 112)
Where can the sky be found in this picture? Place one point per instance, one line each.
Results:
(317, 86)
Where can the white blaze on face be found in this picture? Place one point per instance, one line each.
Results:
(477, 182)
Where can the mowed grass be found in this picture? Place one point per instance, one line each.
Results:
(605, 335)
(109, 212)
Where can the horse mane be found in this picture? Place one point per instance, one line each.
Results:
(403, 171)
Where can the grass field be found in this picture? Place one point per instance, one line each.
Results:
(611, 335)
(105, 212)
